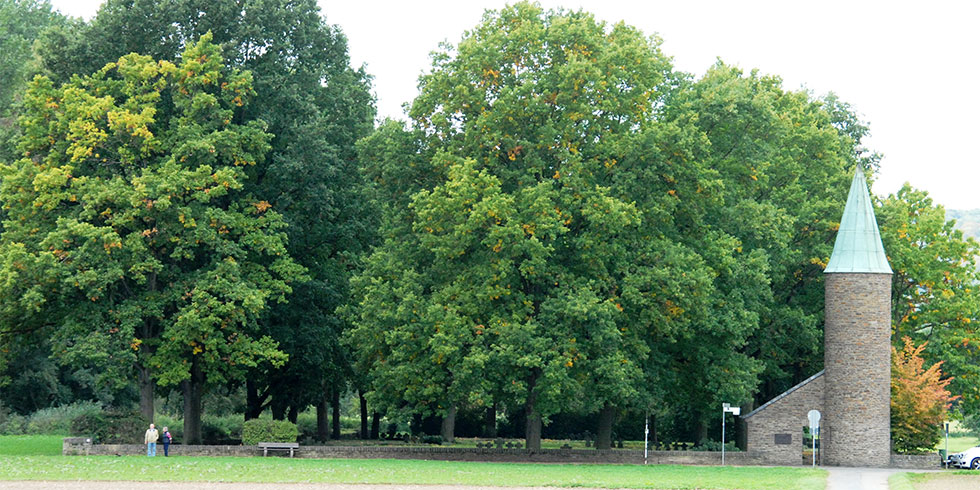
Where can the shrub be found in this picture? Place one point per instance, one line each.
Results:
(711, 445)
(264, 430)
(221, 429)
(919, 400)
(432, 440)
(59, 420)
(111, 427)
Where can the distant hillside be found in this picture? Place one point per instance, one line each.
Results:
(968, 221)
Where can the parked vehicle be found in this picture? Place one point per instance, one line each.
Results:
(967, 459)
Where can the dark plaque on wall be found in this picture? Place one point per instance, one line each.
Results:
(783, 439)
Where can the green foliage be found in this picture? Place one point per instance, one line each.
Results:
(265, 430)
(21, 21)
(137, 247)
(315, 106)
(111, 426)
(935, 295)
(60, 420)
(574, 225)
(919, 400)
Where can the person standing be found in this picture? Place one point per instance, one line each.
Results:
(151, 440)
(167, 439)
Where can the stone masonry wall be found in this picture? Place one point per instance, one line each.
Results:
(775, 430)
(857, 362)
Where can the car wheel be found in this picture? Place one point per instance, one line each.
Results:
(975, 464)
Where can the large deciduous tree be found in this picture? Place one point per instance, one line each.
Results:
(518, 247)
(935, 295)
(316, 107)
(129, 237)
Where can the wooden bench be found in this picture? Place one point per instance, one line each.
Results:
(284, 446)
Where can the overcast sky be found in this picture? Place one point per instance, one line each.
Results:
(909, 68)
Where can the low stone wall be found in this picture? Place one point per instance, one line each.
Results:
(83, 446)
(435, 453)
(916, 462)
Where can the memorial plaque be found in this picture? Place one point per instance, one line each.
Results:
(783, 439)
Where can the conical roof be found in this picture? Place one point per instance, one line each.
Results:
(858, 247)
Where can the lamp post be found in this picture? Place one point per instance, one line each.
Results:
(726, 408)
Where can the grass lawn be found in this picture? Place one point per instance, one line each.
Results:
(958, 443)
(30, 458)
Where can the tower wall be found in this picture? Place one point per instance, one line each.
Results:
(857, 360)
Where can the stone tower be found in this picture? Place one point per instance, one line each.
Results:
(857, 340)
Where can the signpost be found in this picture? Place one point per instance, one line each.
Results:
(646, 436)
(726, 408)
(946, 456)
(814, 417)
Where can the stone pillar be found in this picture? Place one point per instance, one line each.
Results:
(857, 361)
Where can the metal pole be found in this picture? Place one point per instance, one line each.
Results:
(723, 437)
(646, 436)
(946, 425)
(813, 437)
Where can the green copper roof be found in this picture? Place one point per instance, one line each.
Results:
(858, 246)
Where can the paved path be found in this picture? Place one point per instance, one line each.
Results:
(843, 478)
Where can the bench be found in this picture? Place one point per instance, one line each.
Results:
(284, 446)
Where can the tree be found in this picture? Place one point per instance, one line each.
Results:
(919, 399)
(935, 297)
(316, 107)
(21, 21)
(128, 235)
(515, 236)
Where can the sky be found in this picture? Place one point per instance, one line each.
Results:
(908, 68)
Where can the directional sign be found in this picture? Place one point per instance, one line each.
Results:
(814, 417)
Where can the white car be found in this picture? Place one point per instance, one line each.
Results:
(967, 459)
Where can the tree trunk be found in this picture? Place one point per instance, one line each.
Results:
(702, 432)
(654, 440)
(364, 414)
(279, 408)
(146, 393)
(490, 422)
(375, 425)
(293, 413)
(447, 431)
(254, 403)
(336, 413)
(742, 429)
(532, 425)
(322, 426)
(192, 404)
(607, 416)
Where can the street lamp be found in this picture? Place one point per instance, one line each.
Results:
(726, 408)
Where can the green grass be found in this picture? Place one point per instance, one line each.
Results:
(958, 443)
(30, 445)
(38, 458)
(283, 470)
